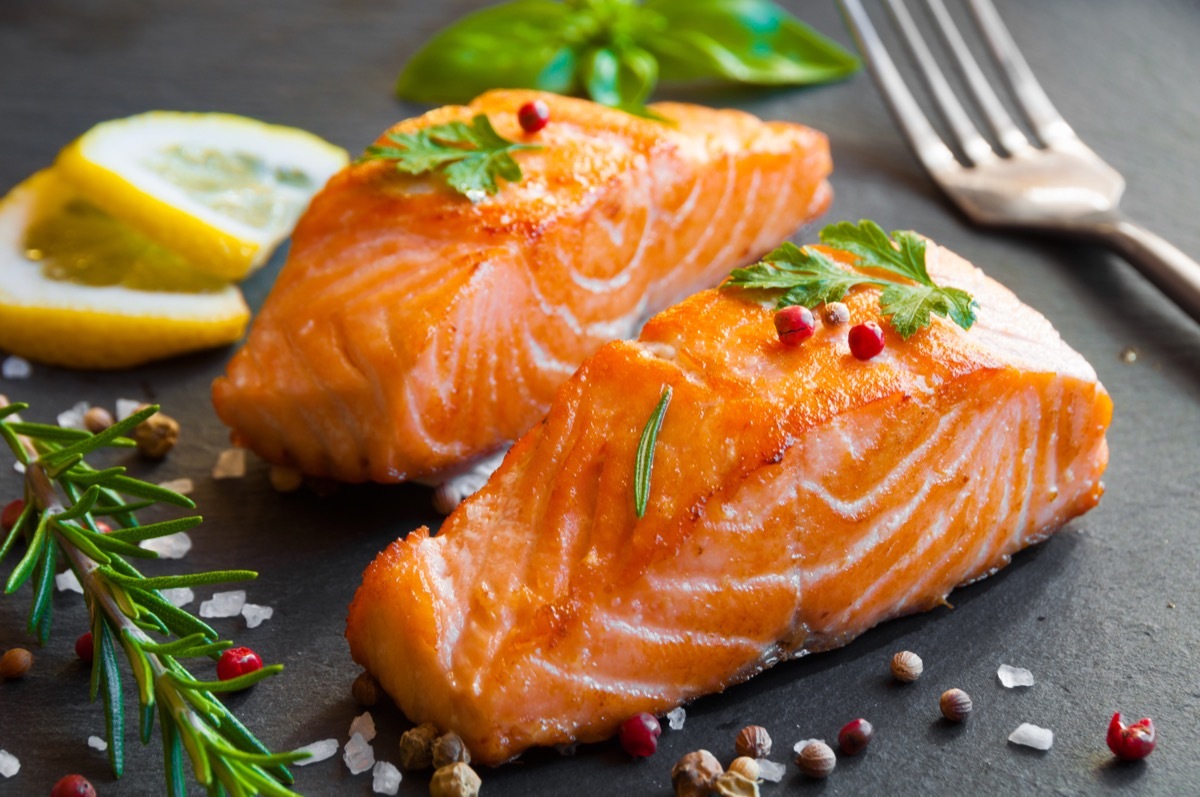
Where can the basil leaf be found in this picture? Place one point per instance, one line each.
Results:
(622, 78)
(600, 75)
(744, 41)
(521, 44)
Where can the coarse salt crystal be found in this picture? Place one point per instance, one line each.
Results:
(126, 407)
(255, 614)
(182, 486)
(178, 596)
(1014, 676)
(1032, 736)
(9, 765)
(321, 751)
(770, 771)
(358, 754)
(68, 581)
(73, 418)
(172, 546)
(675, 718)
(19, 466)
(231, 464)
(224, 604)
(385, 778)
(364, 726)
(15, 367)
(96, 743)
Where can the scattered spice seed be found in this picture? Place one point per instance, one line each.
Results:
(735, 784)
(836, 313)
(955, 705)
(73, 786)
(448, 749)
(1131, 742)
(794, 324)
(156, 436)
(694, 774)
(533, 116)
(416, 747)
(855, 735)
(866, 340)
(639, 735)
(15, 663)
(365, 689)
(97, 419)
(753, 741)
(84, 648)
(907, 666)
(455, 780)
(1128, 355)
(12, 513)
(816, 760)
(237, 661)
(745, 766)
(285, 479)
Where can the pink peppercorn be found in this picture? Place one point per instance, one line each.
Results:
(1131, 742)
(237, 661)
(73, 786)
(866, 340)
(639, 735)
(533, 116)
(12, 511)
(795, 324)
(85, 648)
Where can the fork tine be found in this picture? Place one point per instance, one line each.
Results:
(1007, 133)
(976, 147)
(1043, 117)
(930, 148)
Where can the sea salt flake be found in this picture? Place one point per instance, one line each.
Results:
(9, 765)
(770, 771)
(385, 778)
(178, 596)
(224, 604)
(231, 464)
(15, 367)
(182, 486)
(96, 743)
(321, 751)
(68, 581)
(127, 407)
(19, 466)
(255, 615)
(172, 546)
(73, 418)
(1014, 676)
(1032, 736)
(358, 754)
(675, 718)
(364, 726)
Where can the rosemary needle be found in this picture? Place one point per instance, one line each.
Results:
(645, 453)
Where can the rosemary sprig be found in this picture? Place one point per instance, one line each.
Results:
(644, 465)
(63, 497)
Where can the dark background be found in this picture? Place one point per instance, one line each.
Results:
(1105, 614)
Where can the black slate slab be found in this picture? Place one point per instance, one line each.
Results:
(1106, 615)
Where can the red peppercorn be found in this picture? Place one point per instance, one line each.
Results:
(866, 340)
(12, 512)
(855, 735)
(84, 647)
(533, 116)
(237, 661)
(1131, 742)
(794, 324)
(73, 786)
(639, 735)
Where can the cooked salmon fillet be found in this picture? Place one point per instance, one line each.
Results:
(798, 497)
(412, 331)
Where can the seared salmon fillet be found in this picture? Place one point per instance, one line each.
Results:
(412, 331)
(798, 497)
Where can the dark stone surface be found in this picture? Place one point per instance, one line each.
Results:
(1106, 615)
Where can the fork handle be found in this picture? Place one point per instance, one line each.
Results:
(1175, 274)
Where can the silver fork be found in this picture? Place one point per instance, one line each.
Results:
(1054, 185)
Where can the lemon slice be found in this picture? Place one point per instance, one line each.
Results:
(79, 289)
(221, 190)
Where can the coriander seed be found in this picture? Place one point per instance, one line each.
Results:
(836, 313)
(735, 784)
(753, 741)
(97, 419)
(15, 663)
(955, 705)
(416, 747)
(448, 749)
(365, 689)
(816, 760)
(695, 773)
(156, 435)
(745, 766)
(907, 666)
(455, 780)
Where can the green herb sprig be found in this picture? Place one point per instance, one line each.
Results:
(471, 156)
(807, 277)
(63, 498)
(615, 51)
(644, 464)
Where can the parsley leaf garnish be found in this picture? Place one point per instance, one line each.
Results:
(470, 156)
(808, 277)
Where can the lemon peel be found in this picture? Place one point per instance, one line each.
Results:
(109, 326)
(220, 190)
